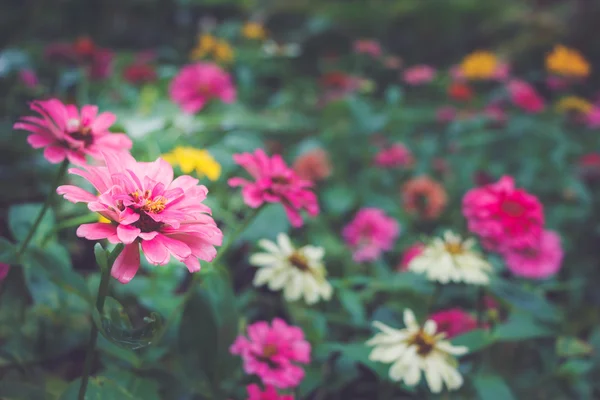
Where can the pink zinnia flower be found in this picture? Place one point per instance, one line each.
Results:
(453, 322)
(274, 182)
(592, 118)
(146, 207)
(397, 155)
(539, 261)
(524, 96)
(418, 75)
(370, 233)
(273, 352)
(196, 84)
(4, 268)
(411, 252)
(495, 113)
(366, 46)
(28, 78)
(502, 71)
(254, 393)
(66, 132)
(139, 73)
(445, 114)
(503, 216)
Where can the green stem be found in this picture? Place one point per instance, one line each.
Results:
(236, 233)
(61, 172)
(102, 292)
(75, 221)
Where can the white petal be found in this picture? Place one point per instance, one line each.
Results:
(269, 246)
(285, 244)
(263, 259)
(433, 375)
(410, 320)
(430, 327)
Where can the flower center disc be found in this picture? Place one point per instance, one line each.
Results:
(299, 261)
(454, 248)
(425, 343)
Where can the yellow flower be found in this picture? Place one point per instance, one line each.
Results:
(206, 44)
(223, 52)
(253, 30)
(479, 65)
(574, 103)
(190, 159)
(567, 62)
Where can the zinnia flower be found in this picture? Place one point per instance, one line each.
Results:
(537, 262)
(209, 45)
(197, 84)
(298, 272)
(503, 216)
(274, 182)
(146, 207)
(567, 62)
(370, 233)
(460, 91)
(415, 349)
(270, 393)
(479, 65)
(409, 253)
(451, 259)
(453, 322)
(573, 104)
(28, 78)
(314, 165)
(396, 155)
(366, 46)
(445, 114)
(253, 30)
(65, 132)
(418, 75)
(424, 197)
(524, 96)
(273, 352)
(593, 117)
(138, 73)
(190, 159)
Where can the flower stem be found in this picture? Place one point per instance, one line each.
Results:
(102, 292)
(61, 172)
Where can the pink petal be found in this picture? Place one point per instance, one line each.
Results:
(96, 231)
(103, 122)
(127, 263)
(55, 154)
(114, 140)
(37, 141)
(127, 233)
(192, 264)
(155, 251)
(75, 194)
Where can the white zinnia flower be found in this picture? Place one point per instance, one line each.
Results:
(415, 349)
(298, 272)
(451, 260)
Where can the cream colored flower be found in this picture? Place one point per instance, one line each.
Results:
(451, 260)
(298, 272)
(415, 349)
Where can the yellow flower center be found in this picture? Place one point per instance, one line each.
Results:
(298, 260)
(269, 351)
(454, 248)
(155, 205)
(425, 343)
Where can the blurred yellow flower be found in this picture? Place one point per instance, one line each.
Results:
(479, 65)
(210, 46)
(190, 159)
(567, 62)
(575, 104)
(253, 30)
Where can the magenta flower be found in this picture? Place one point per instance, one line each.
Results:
(29, 78)
(409, 253)
(67, 133)
(524, 96)
(370, 233)
(272, 352)
(446, 114)
(254, 393)
(146, 207)
(453, 322)
(196, 84)
(274, 182)
(397, 155)
(539, 261)
(368, 46)
(504, 217)
(592, 118)
(418, 75)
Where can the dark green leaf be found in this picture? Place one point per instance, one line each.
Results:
(474, 340)
(492, 387)
(524, 299)
(101, 256)
(99, 388)
(351, 302)
(21, 391)
(270, 221)
(520, 326)
(8, 252)
(22, 217)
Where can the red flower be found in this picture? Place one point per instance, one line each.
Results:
(460, 92)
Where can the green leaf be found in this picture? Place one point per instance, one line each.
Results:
(140, 388)
(568, 346)
(351, 302)
(575, 367)
(338, 199)
(474, 340)
(524, 299)
(101, 256)
(270, 221)
(99, 388)
(8, 252)
(492, 387)
(521, 326)
(21, 391)
(22, 217)
(114, 324)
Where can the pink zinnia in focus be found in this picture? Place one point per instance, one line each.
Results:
(275, 182)
(524, 96)
(411, 252)
(66, 132)
(146, 207)
(366, 46)
(397, 155)
(196, 84)
(539, 261)
(273, 352)
(503, 216)
(28, 78)
(4, 268)
(270, 393)
(453, 322)
(370, 233)
(418, 75)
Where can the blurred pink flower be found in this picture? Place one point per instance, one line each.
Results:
(28, 78)
(445, 114)
(146, 207)
(557, 83)
(453, 322)
(65, 132)
(4, 268)
(366, 46)
(524, 96)
(139, 73)
(539, 261)
(273, 352)
(592, 118)
(83, 52)
(396, 155)
(196, 84)
(370, 233)
(254, 393)
(495, 113)
(504, 217)
(100, 66)
(337, 85)
(274, 182)
(409, 253)
(502, 71)
(456, 73)
(418, 75)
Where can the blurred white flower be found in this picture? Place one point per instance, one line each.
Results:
(138, 126)
(451, 260)
(415, 349)
(273, 49)
(298, 272)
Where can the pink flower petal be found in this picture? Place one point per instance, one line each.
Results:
(96, 231)
(127, 263)
(127, 233)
